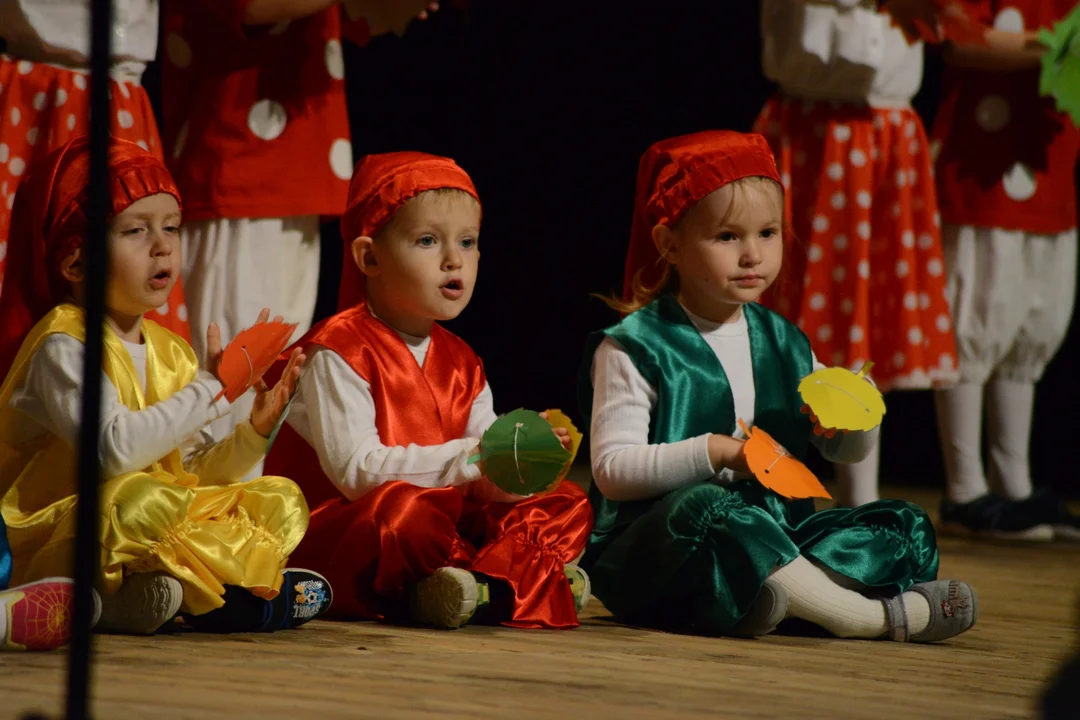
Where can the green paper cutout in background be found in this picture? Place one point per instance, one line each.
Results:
(522, 454)
(1060, 77)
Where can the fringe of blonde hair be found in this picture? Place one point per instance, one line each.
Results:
(643, 294)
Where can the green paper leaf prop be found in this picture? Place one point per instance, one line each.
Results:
(281, 421)
(1060, 76)
(522, 454)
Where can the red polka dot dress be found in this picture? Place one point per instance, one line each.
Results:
(1009, 215)
(1027, 183)
(255, 121)
(43, 105)
(864, 275)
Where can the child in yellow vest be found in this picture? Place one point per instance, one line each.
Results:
(178, 533)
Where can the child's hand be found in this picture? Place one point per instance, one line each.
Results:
(563, 434)
(727, 452)
(818, 429)
(271, 402)
(917, 19)
(431, 7)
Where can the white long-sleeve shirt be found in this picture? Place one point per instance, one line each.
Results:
(51, 396)
(626, 466)
(335, 413)
(839, 50)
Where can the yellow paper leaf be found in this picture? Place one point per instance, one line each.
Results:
(558, 419)
(843, 400)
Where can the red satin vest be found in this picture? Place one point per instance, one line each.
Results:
(425, 406)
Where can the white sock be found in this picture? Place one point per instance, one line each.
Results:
(858, 482)
(813, 596)
(1009, 408)
(959, 417)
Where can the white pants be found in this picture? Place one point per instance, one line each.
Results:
(233, 268)
(1011, 294)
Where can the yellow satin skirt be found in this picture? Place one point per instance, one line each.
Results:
(206, 537)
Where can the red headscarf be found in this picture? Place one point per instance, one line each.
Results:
(380, 185)
(49, 221)
(676, 174)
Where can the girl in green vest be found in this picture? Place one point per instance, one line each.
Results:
(685, 538)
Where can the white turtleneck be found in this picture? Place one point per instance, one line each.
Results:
(335, 413)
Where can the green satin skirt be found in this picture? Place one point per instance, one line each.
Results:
(694, 560)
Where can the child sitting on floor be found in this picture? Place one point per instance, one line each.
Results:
(686, 538)
(390, 412)
(177, 533)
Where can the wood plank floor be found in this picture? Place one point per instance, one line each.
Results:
(1027, 598)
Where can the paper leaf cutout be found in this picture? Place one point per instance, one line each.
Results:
(843, 400)
(777, 470)
(383, 15)
(250, 355)
(522, 455)
(1060, 77)
(280, 423)
(559, 419)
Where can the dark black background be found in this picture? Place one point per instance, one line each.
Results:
(548, 107)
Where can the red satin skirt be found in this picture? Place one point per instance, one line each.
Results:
(372, 549)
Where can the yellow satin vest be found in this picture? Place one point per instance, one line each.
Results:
(157, 519)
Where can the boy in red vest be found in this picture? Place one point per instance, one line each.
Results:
(390, 413)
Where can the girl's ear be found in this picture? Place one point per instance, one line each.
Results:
(664, 240)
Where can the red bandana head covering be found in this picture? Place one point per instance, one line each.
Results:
(676, 174)
(381, 185)
(49, 221)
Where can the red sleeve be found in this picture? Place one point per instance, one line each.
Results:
(981, 11)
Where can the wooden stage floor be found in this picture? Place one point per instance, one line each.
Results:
(1028, 595)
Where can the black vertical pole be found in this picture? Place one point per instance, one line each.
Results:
(95, 249)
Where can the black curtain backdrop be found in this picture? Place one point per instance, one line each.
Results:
(549, 108)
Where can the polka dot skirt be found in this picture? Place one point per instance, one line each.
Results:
(41, 108)
(864, 275)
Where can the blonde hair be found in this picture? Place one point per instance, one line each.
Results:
(643, 294)
(425, 197)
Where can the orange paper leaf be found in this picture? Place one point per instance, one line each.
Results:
(777, 470)
(250, 355)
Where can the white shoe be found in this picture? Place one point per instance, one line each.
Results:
(448, 598)
(144, 603)
(580, 586)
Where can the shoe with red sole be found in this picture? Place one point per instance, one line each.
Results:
(37, 615)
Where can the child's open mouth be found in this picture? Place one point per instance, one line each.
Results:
(161, 280)
(453, 290)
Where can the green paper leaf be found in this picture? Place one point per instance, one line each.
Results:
(1060, 76)
(281, 421)
(522, 453)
